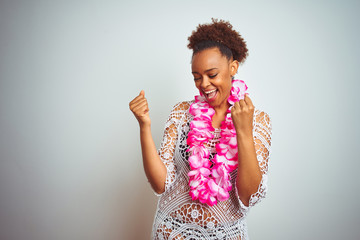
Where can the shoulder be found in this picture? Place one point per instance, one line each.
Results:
(182, 106)
(262, 118)
(180, 111)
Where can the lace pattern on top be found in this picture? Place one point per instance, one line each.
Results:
(177, 216)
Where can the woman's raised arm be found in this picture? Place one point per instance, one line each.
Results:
(154, 168)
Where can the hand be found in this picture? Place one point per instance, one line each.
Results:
(140, 109)
(242, 116)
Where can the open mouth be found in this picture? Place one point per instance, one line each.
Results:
(211, 95)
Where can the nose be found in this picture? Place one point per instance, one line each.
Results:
(204, 83)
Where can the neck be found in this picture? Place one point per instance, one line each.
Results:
(219, 116)
(221, 110)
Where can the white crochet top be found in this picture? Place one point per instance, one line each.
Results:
(177, 216)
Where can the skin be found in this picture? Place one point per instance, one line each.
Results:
(211, 71)
(155, 169)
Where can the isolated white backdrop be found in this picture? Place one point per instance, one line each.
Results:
(70, 164)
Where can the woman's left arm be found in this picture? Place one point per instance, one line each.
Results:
(253, 148)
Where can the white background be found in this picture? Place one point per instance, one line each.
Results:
(70, 161)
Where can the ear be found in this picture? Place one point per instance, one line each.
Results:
(234, 65)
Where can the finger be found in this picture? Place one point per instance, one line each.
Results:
(235, 106)
(141, 108)
(137, 99)
(248, 101)
(242, 104)
(142, 93)
(141, 102)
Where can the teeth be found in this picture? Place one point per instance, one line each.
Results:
(210, 91)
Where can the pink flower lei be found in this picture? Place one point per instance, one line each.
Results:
(210, 181)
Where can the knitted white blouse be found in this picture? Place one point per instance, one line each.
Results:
(177, 216)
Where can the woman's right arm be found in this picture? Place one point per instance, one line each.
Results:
(155, 169)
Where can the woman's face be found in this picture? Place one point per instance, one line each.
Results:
(212, 75)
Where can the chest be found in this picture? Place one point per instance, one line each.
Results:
(181, 151)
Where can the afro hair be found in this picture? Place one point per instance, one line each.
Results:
(219, 34)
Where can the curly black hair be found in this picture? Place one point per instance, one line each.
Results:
(219, 34)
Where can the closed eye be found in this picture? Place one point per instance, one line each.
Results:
(212, 76)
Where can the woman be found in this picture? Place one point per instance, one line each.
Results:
(213, 160)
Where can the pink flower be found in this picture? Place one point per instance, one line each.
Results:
(233, 142)
(206, 196)
(199, 150)
(212, 185)
(229, 164)
(218, 191)
(200, 124)
(198, 173)
(195, 161)
(221, 148)
(221, 177)
(237, 91)
(232, 99)
(198, 135)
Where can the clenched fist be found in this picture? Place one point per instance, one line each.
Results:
(140, 109)
(242, 116)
